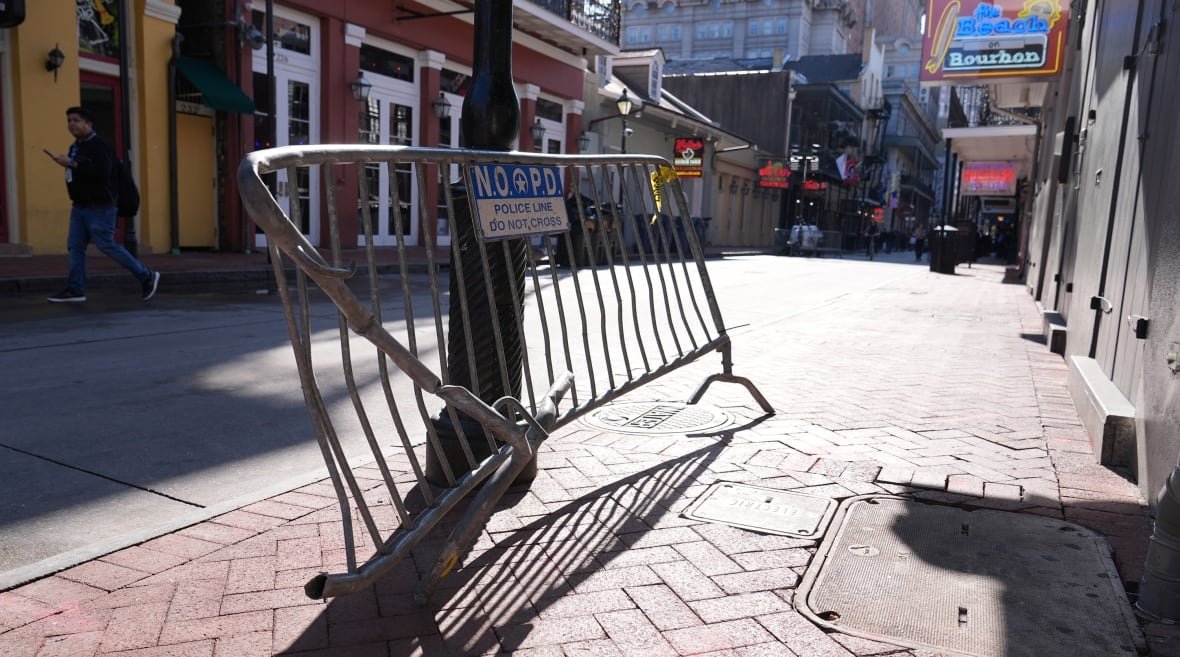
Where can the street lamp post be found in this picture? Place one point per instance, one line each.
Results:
(490, 120)
(625, 105)
(801, 161)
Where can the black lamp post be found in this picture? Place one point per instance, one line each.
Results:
(801, 162)
(624, 104)
(490, 120)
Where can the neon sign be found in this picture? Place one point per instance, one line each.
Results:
(1002, 38)
(774, 173)
(988, 179)
(688, 156)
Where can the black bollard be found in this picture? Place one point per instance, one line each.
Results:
(490, 121)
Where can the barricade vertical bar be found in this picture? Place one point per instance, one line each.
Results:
(555, 281)
(677, 198)
(620, 237)
(540, 298)
(706, 284)
(464, 331)
(517, 310)
(301, 344)
(382, 360)
(669, 241)
(638, 217)
(577, 280)
(603, 233)
(346, 356)
(658, 258)
(610, 370)
(324, 419)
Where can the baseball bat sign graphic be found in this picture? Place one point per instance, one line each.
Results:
(942, 36)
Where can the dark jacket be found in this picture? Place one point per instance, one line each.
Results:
(92, 183)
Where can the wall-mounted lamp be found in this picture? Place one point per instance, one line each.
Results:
(537, 131)
(54, 61)
(441, 106)
(745, 189)
(583, 142)
(360, 87)
(733, 187)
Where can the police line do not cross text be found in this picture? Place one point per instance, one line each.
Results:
(517, 200)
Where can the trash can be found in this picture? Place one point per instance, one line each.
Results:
(701, 224)
(782, 241)
(943, 254)
(667, 233)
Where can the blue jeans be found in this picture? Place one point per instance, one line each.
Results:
(97, 225)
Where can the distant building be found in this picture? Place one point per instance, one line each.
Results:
(701, 29)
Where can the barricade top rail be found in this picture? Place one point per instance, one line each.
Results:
(510, 337)
(280, 157)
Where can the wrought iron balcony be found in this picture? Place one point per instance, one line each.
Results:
(586, 26)
(912, 182)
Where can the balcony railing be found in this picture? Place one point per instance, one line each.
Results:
(917, 184)
(602, 18)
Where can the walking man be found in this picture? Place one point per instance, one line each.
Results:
(92, 185)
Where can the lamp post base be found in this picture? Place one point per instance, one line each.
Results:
(452, 451)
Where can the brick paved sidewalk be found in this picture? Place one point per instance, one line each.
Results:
(933, 384)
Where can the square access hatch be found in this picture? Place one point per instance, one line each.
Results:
(761, 509)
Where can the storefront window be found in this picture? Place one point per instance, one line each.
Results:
(387, 63)
(98, 27)
(288, 34)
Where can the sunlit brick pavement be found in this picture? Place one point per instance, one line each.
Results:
(928, 384)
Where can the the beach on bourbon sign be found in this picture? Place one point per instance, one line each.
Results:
(518, 200)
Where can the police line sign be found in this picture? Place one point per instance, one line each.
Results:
(518, 200)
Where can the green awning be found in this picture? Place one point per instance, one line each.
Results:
(217, 91)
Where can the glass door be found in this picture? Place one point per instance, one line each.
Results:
(448, 137)
(296, 117)
(388, 117)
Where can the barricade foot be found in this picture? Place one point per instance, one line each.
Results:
(730, 378)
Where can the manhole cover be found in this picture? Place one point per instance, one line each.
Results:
(986, 583)
(762, 509)
(658, 418)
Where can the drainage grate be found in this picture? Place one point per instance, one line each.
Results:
(658, 418)
(986, 583)
(762, 509)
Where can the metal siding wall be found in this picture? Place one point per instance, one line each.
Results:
(1116, 346)
(1159, 408)
(1104, 97)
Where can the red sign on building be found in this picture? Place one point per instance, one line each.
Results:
(688, 155)
(774, 174)
(988, 179)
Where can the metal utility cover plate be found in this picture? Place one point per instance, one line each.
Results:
(762, 509)
(983, 582)
(658, 418)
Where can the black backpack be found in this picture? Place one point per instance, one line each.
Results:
(128, 199)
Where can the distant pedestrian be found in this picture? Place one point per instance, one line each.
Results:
(918, 240)
(91, 180)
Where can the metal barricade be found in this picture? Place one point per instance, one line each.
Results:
(634, 303)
